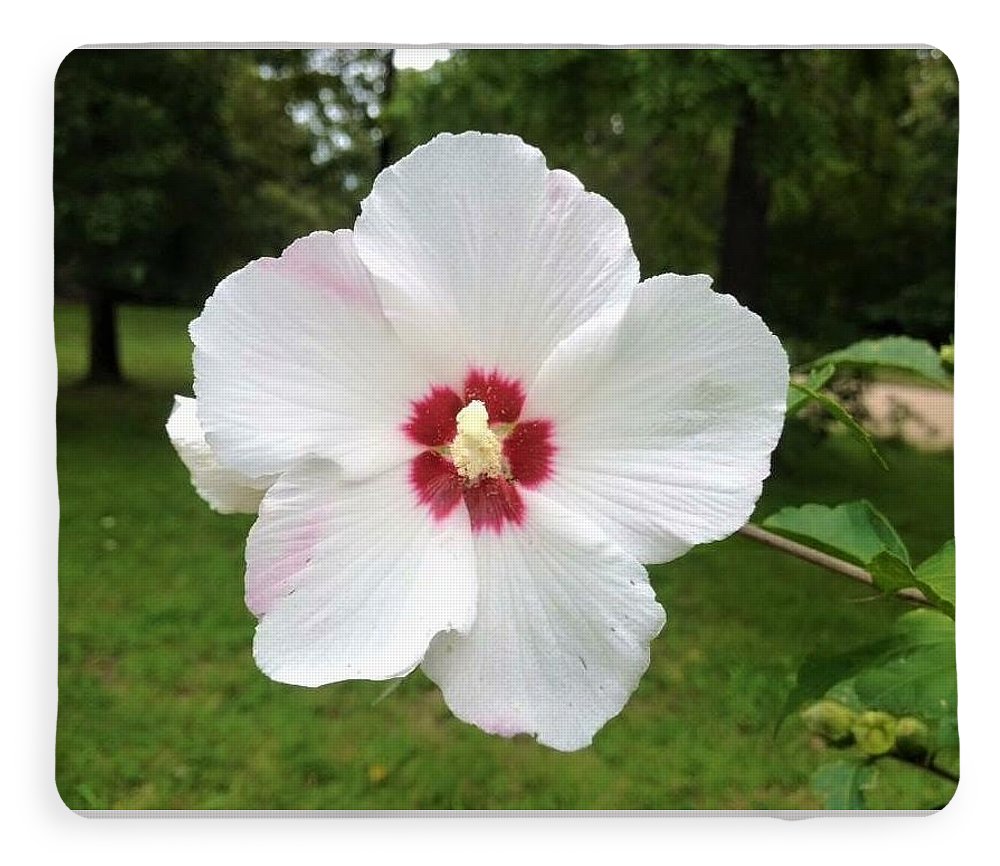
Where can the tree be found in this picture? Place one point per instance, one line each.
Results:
(174, 167)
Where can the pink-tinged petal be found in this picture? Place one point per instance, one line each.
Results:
(665, 415)
(294, 358)
(353, 579)
(226, 491)
(530, 451)
(431, 421)
(561, 635)
(502, 396)
(328, 263)
(283, 542)
(483, 257)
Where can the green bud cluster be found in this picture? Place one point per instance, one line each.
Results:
(875, 732)
(831, 720)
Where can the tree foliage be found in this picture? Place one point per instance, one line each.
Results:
(173, 167)
(857, 149)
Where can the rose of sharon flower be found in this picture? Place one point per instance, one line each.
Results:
(480, 423)
(226, 491)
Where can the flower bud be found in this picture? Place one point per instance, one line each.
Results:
(830, 719)
(911, 737)
(875, 732)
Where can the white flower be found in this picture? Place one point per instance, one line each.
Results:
(226, 491)
(481, 423)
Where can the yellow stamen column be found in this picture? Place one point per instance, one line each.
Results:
(476, 450)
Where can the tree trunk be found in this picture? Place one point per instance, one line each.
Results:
(385, 149)
(104, 364)
(743, 252)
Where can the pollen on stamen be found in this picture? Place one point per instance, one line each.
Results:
(476, 451)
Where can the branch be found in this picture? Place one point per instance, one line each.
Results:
(824, 560)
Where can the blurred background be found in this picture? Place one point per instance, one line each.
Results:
(817, 186)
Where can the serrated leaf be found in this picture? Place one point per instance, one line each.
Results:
(855, 530)
(936, 578)
(916, 676)
(842, 784)
(900, 353)
(816, 379)
(841, 414)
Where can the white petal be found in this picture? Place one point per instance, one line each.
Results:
(483, 257)
(665, 415)
(562, 633)
(293, 358)
(226, 491)
(353, 579)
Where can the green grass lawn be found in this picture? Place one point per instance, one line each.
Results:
(161, 705)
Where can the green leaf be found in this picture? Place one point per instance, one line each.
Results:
(891, 573)
(916, 676)
(842, 784)
(910, 673)
(841, 414)
(935, 577)
(820, 674)
(855, 531)
(818, 377)
(900, 353)
(947, 733)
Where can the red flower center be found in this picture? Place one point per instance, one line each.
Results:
(527, 447)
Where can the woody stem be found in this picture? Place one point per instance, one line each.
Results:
(824, 560)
